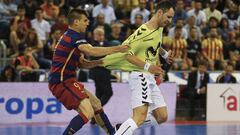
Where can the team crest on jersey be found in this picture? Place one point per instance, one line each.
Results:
(152, 51)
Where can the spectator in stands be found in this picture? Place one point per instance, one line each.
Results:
(180, 12)
(105, 9)
(140, 10)
(200, 16)
(234, 53)
(8, 74)
(30, 6)
(36, 46)
(7, 9)
(25, 64)
(232, 14)
(60, 24)
(179, 49)
(191, 22)
(101, 75)
(19, 27)
(224, 30)
(211, 11)
(115, 38)
(197, 88)
(50, 10)
(193, 46)
(59, 3)
(212, 50)
(226, 76)
(51, 43)
(212, 23)
(100, 22)
(41, 26)
(138, 22)
(179, 23)
(221, 5)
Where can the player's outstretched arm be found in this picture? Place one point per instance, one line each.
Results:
(101, 51)
(84, 63)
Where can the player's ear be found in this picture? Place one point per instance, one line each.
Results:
(76, 21)
(160, 12)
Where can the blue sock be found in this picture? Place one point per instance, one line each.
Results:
(75, 124)
(103, 117)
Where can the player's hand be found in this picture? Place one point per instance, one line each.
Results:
(170, 57)
(17, 18)
(157, 70)
(123, 48)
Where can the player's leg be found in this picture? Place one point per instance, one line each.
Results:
(158, 108)
(85, 112)
(73, 96)
(99, 115)
(138, 118)
(160, 114)
(141, 99)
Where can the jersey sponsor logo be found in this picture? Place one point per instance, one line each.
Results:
(152, 51)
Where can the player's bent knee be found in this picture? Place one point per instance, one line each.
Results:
(162, 119)
(96, 104)
(86, 108)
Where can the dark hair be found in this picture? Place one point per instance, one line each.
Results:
(75, 14)
(39, 8)
(21, 48)
(164, 6)
(221, 22)
(4, 78)
(138, 15)
(20, 7)
(213, 18)
(193, 27)
(203, 63)
(178, 28)
(199, 1)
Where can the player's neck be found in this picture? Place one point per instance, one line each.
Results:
(152, 24)
(74, 29)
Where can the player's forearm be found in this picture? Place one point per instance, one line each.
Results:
(136, 61)
(90, 64)
(102, 51)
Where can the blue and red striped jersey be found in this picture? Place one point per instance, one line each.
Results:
(66, 56)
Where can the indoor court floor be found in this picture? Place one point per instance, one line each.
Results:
(172, 128)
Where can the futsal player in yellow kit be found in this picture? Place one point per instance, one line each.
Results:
(143, 62)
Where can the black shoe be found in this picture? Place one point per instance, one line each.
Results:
(93, 122)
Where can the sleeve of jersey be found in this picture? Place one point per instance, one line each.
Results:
(79, 41)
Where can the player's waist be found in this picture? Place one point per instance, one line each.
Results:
(144, 73)
(57, 78)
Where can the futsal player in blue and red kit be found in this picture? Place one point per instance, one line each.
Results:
(62, 79)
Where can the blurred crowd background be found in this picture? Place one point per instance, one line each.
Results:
(201, 30)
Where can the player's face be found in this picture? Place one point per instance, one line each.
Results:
(166, 18)
(82, 23)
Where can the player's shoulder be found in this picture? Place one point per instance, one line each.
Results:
(76, 38)
(142, 31)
